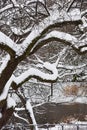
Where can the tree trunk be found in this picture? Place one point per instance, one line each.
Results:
(7, 72)
(6, 114)
(5, 76)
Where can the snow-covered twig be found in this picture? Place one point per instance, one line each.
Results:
(29, 108)
(83, 77)
(70, 67)
(70, 73)
(83, 13)
(19, 109)
(60, 56)
(10, 6)
(39, 60)
(14, 3)
(17, 116)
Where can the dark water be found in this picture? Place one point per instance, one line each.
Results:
(55, 113)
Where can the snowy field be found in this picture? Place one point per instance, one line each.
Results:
(76, 126)
(65, 128)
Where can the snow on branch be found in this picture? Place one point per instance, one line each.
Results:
(29, 108)
(19, 109)
(83, 77)
(63, 36)
(17, 116)
(14, 3)
(84, 13)
(30, 1)
(10, 102)
(10, 6)
(39, 60)
(5, 40)
(19, 31)
(6, 88)
(60, 56)
(4, 64)
(77, 43)
(60, 36)
(6, 8)
(83, 49)
(32, 72)
(52, 19)
(69, 73)
(36, 73)
(70, 67)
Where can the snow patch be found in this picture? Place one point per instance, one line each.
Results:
(4, 64)
(0, 115)
(84, 49)
(10, 102)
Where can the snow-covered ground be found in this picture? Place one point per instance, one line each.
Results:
(80, 125)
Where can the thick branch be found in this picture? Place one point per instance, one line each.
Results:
(38, 31)
(42, 28)
(7, 113)
(32, 72)
(77, 44)
(7, 73)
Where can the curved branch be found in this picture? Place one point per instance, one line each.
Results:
(79, 45)
(32, 72)
(10, 6)
(54, 20)
(16, 82)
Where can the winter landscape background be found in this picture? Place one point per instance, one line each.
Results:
(43, 64)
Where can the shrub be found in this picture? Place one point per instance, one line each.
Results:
(71, 90)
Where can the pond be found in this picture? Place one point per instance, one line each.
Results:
(60, 112)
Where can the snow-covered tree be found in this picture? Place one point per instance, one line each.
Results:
(27, 26)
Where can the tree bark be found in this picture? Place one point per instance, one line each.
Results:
(7, 72)
(5, 76)
(6, 114)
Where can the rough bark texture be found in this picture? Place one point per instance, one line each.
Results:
(7, 113)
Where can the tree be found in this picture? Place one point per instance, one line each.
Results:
(25, 32)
